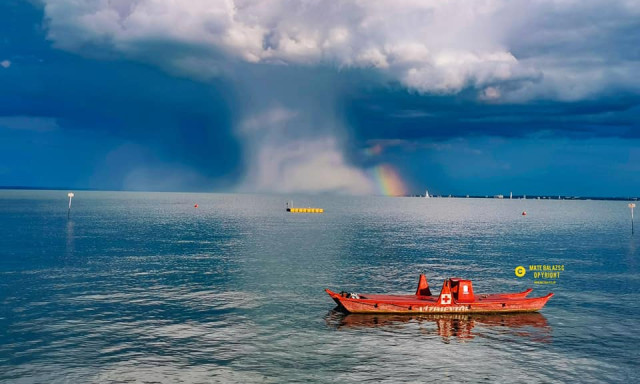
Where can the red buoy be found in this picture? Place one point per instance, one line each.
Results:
(524, 213)
(195, 206)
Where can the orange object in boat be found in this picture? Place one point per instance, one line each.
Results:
(456, 296)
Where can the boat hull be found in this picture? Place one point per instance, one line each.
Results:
(412, 304)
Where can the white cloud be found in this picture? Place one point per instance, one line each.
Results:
(306, 166)
(272, 118)
(5, 63)
(431, 45)
(305, 163)
(490, 93)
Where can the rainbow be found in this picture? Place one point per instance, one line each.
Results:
(388, 181)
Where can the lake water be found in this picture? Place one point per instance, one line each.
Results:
(143, 287)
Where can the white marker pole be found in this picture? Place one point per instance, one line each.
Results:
(70, 194)
(632, 205)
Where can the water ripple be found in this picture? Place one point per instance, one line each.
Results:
(142, 288)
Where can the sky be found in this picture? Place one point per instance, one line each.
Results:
(352, 97)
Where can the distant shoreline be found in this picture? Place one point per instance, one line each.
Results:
(515, 197)
(533, 197)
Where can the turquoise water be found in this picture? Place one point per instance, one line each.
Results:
(143, 287)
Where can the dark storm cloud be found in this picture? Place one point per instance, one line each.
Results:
(180, 120)
(263, 95)
(397, 114)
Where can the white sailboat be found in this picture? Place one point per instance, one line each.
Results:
(426, 194)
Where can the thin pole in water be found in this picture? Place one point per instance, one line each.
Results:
(70, 194)
(632, 205)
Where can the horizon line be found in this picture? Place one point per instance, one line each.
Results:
(437, 196)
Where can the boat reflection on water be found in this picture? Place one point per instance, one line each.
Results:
(533, 325)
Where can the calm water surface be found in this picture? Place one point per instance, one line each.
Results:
(143, 287)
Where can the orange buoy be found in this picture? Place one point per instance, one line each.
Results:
(195, 206)
(524, 213)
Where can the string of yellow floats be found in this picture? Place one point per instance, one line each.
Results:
(305, 210)
(291, 209)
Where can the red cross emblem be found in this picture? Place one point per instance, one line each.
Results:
(446, 298)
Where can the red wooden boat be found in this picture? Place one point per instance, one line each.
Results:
(456, 296)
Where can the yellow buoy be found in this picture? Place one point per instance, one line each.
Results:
(305, 210)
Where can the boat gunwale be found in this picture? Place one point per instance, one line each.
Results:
(532, 304)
